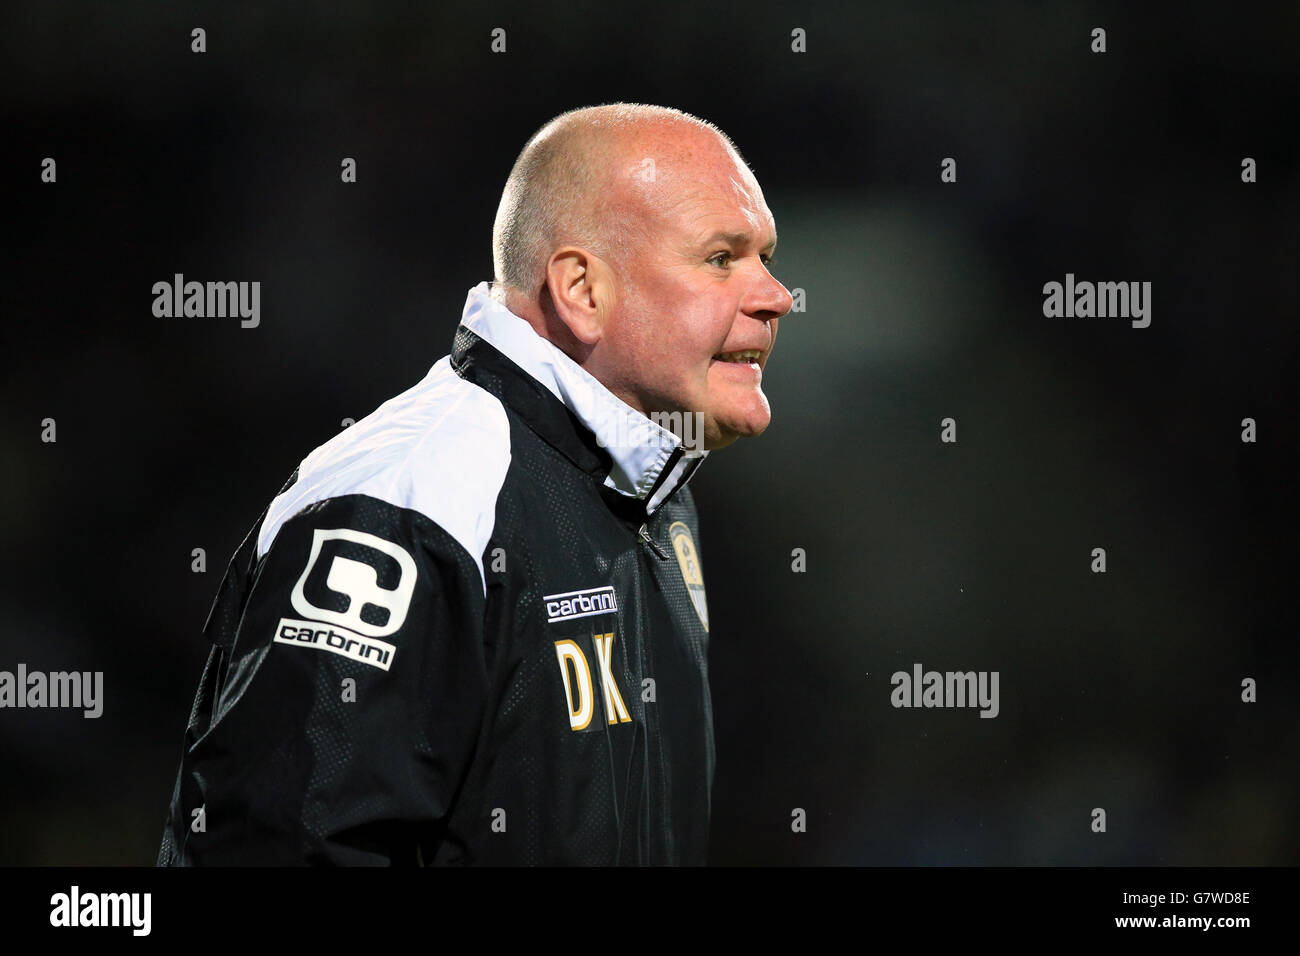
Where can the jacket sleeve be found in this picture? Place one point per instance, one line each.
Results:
(342, 697)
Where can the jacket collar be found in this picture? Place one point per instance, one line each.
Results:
(591, 426)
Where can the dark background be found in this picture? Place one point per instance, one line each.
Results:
(924, 301)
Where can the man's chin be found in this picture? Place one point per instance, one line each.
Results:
(719, 433)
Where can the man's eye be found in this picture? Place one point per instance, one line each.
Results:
(765, 259)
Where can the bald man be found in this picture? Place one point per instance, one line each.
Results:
(472, 628)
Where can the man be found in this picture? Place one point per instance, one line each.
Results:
(472, 627)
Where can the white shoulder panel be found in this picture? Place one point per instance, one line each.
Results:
(441, 448)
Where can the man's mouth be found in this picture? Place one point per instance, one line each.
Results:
(743, 357)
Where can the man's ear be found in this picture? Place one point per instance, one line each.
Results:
(582, 292)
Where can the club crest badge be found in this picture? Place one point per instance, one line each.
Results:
(688, 560)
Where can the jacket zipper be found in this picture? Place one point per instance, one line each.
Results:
(649, 780)
(650, 543)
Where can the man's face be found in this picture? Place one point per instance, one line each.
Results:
(696, 292)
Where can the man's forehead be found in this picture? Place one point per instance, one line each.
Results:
(765, 238)
(693, 185)
(704, 202)
(738, 216)
(708, 219)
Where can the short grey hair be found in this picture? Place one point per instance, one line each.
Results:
(553, 195)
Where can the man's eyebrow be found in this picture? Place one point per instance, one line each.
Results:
(738, 239)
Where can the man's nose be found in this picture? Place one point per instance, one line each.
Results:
(770, 300)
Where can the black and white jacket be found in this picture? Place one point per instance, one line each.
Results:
(471, 629)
